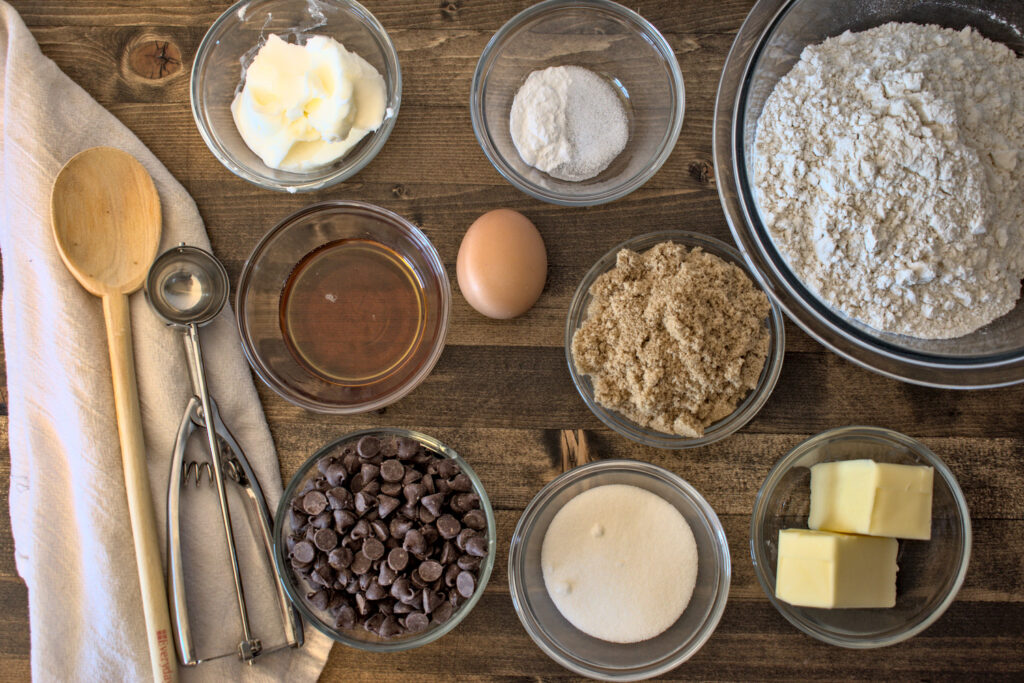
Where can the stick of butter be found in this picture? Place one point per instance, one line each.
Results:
(824, 569)
(871, 498)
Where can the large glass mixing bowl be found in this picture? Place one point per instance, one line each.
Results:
(767, 46)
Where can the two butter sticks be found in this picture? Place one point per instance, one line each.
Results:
(847, 558)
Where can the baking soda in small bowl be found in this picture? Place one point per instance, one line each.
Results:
(568, 122)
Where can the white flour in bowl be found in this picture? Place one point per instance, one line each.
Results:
(889, 173)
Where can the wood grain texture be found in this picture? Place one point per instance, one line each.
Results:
(501, 394)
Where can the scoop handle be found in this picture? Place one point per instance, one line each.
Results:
(136, 481)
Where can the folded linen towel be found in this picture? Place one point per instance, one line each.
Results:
(68, 508)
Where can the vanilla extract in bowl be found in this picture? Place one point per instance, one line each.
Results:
(343, 307)
(353, 312)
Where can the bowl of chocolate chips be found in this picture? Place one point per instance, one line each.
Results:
(384, 539)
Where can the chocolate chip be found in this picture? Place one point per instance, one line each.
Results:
(464, 535)
(369, 472)
(398, 558)
(373, 548)
(451, 572)
(465, 583)
(431, 600)
(343, 520)
(433, 503)
(346, 618)
(402, 589)
(323, 520)
(340, 558)
(375, 591)
(373, 624)
(416, 622)
(386, 575)
(427, 482)
(314, 502)
(399, 527)
(448, 553)
(386, 505)
(477, 546)
(468, 563)
(304, 552)
(430, 570)
(414, 542)
(401, 608)
(360, 563)
(368, 446)
(336, 474)
(298, 519)
(391, 488)
(425, 515)
(389, 628)
(411, 476)
(448, 526)
(380, 530)
(364, 502)
(318, 599)
(361, 529)
(443, 613)
(392, 471)
(475, 519)
(413, 492)
(326, 539)
(460, 482)
(464, 502)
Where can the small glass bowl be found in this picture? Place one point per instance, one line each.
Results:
(296, 588)
(591, 656)
(261, 285)
(601, 36)
(930, 572)
(745, 410)
(230, 46)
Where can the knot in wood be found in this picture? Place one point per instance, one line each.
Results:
(702, 171)
(154, 59)
(450, 10)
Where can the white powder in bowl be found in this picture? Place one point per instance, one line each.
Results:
(620, 563)
(890, 174)
(568, 122)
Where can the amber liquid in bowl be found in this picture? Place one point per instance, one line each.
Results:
(353, 312)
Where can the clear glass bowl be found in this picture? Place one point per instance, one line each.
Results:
(608, 39)
(585, 654)
(231, 44)
(745, 410)
(296, 588)
(930, 572)
(261, 284)
(768, 44)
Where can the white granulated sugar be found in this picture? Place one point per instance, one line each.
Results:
(568, 122)
(888, 170)
(620, 563)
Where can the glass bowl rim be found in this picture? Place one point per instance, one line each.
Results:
(431, 634)
(481, 130)
(698, 503)
(348, 206)
(760, 514)
(745, 411)
(804, 309)
(303, 182)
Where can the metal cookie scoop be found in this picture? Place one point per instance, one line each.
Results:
(187, 288)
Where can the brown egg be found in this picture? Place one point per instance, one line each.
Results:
(502, 264)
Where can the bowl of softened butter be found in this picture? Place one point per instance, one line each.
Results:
(861, 537)
(294, 95)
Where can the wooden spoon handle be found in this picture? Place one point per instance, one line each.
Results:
(136, 481)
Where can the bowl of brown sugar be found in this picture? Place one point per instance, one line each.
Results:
(671, 343)
(343, 307)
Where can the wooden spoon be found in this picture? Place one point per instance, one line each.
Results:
(106, 220)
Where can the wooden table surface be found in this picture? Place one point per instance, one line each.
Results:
(501, 393)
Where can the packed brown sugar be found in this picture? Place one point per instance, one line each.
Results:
(674, 338)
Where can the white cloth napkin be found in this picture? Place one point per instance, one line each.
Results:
(68, 508)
